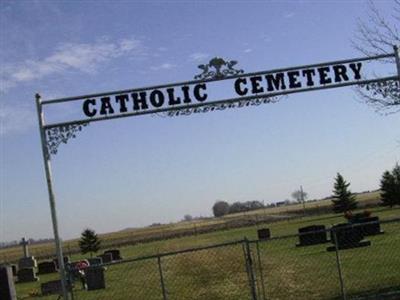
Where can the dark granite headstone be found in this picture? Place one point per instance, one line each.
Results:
(312, 235)
(95, 261)
(66, 261)
(347, 237)
(106, 257)
(14, 269)
(95, 278)
(370, 225)
(26, 275)
(47, 267)
(115, 253)
(27, 263)
(51, 287)
(264, 234)
(7, 288)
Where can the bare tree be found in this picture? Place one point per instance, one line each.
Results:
(299, 195)
(375, 36)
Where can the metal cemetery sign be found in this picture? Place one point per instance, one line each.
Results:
(277, 82)
(219, 86)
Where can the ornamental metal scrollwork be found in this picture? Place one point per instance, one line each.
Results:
(383, 88)
(222, 106)
(219, 73)
(61, 134)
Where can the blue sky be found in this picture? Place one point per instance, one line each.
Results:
(136, 171)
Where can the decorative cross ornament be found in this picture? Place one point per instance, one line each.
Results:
(24, 243)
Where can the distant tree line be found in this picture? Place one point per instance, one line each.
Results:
(221, 208)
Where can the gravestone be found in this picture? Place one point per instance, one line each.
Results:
(47, 267)
(14, 269)
(106, 257)
(312, 235)
(51, 287)
(115, 253)
(264, 234)
(95, 278)
(370, 225)
(27, 261)
(95, 261)
(26, 275)
(24, 243)
(347, 237)
(66, 261)
(7, 288)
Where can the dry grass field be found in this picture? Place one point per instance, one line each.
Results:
(195, 227)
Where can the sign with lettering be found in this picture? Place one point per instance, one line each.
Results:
(220, 86)
(176, 97)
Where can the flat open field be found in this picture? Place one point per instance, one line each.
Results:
(282, 270)
(196, 227)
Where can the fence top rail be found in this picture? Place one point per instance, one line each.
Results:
(160, 255)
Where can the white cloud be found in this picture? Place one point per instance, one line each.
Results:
(164, 66)
(82, 57)
(289, 15)
(198, 56)
(248, 50)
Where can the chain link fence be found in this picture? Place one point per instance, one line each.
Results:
(359, 261)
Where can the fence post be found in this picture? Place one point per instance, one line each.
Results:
(338, 264)
(261, 270)
(164, 292)
(249, 269)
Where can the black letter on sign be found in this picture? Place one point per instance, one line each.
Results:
(106, 107)
(153, 98)
(172, 99)
(186, 96)
(340, 71)
(239, 91)
(255, 84)
(309, 73)
(122, 100)
(86, 107)
(356, 69)
(323, 76)
(293, 83)
(196, 92)
(139, 103)
(274, 82)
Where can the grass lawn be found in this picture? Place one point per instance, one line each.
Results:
(282, 270)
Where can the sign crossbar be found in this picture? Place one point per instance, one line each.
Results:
(67, 99)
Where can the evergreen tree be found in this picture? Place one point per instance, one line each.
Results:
(343, 200)
(89, 242)
(390, 187)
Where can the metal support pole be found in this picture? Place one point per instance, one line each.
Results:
(47, 167)
(397, 56)
(164, 292)
(339, 266)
